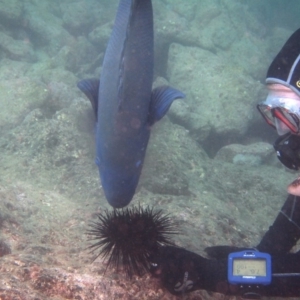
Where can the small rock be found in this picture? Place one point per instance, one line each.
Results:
(4, 248)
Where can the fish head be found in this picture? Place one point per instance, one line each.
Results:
(119, 185)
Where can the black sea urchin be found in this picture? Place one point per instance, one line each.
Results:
(129, 237)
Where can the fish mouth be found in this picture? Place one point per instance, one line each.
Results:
(117, 200)
(119, 190)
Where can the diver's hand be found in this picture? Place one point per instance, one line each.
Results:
(182, 271)
(222, 252)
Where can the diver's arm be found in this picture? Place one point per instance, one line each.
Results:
(182, 271)
(285, 231)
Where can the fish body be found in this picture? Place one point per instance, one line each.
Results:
(125, 105)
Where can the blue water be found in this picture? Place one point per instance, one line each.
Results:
(217, 53)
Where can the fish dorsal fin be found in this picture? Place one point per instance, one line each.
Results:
(161, 99)
(90, 87)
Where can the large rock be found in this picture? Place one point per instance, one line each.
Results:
(100, 35)
(191, 24)
(17, 49)
(59, 75)
(45, 27)
(77, 17)
(12, 69)
(81, 57)
(221, 99)
(177, 6)
(10, 11)
(172, 157)
(18, 97)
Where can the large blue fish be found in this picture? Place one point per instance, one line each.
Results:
(124, 103)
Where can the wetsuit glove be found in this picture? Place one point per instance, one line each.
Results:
(182, 271)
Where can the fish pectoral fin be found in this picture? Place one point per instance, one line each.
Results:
(90, 87)
(161, 99)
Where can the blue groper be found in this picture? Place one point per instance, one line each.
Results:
(124, 103)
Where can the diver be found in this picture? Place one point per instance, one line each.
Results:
(182, 271)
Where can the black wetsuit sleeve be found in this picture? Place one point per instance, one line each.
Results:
(285, 231)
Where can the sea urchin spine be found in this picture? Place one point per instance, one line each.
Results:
(130, 237)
